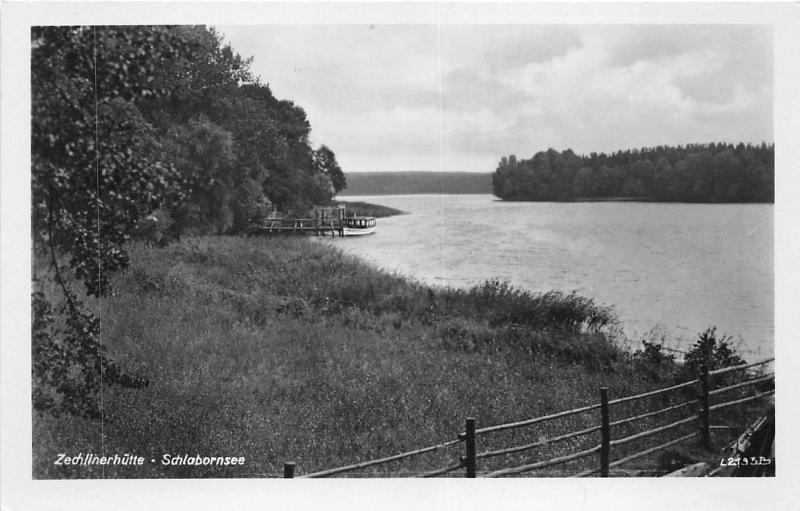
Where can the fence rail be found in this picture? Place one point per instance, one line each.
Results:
(746, 383)
(442, 471)
(651, 432)
(544, 464)
(651, 450)
(741, 367)
(653, 414)
(653, 393)
(541, 443)
(381, 461)
(740, 401)
(529, 422)
(470, 435)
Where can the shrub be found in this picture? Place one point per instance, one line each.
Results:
(463, 335)
(653, 359)
(153, 229)
(710, 352)
(501, 304)
(715, 353)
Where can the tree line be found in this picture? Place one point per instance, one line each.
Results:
(414, 182)
(714, 172)
(137, 129)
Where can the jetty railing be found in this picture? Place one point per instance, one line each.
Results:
(298, 226)
(698, 408)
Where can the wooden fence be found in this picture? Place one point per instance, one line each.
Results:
(700, 412)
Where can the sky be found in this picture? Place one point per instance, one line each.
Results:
(459, 97)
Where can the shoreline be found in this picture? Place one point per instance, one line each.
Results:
(251, 343)
(642, 200)
(658, 333)
(674, 338)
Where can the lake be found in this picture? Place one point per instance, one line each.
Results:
(679, 268)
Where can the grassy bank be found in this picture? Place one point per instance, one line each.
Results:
(281, 349)
(361, 208)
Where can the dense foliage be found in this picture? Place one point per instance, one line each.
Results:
(711, 352)
(691, 173)
(159, 130)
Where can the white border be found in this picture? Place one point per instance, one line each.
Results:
(19, 492)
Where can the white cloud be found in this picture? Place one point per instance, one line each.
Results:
(373, 93)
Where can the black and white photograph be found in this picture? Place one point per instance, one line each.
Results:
(540, 244)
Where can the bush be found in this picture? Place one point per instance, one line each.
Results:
(653, 358)
(464, 335)
(501, 304)
(153, 229)
(711, 352)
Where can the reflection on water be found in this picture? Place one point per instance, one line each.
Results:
(681, 266)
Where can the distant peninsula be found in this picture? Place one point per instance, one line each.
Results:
(417, 182)
(710, 173)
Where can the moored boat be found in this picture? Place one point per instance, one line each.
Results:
(326, 221)
(358, 225)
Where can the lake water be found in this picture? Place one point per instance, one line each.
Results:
(678, 267)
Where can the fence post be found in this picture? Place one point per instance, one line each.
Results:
(605, 443)
(705, 422)
(288, 470)
(470, 460)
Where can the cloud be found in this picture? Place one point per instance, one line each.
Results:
(466, 89)
(374, 94)
(499, 47)
(730, 56)
(629, 45)
(349, 67)
(593, 99)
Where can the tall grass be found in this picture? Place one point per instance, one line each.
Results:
(500, 303)
(283, 349)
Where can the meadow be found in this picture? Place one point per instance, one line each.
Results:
(285, 349)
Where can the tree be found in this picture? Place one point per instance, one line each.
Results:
(633, 187)
(97, 163)
(584, 184)
(203, 153)
(325, 163)
(95, 170)
(132, 121)
(645, 171)
(662, 178)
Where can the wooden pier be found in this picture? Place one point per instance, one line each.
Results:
(330, 220)
(299, 226)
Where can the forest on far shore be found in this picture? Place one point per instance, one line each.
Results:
(414, 182)
(714, 172)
